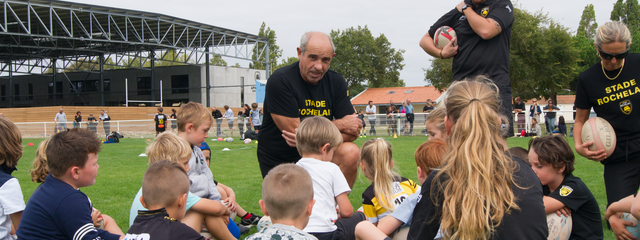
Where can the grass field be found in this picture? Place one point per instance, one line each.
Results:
(121, 170)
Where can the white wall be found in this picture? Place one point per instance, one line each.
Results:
(225, 83)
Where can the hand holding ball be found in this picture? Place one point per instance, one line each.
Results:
(443, 36)
(601, 133)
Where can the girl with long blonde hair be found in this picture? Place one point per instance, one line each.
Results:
(479, 192)
(387, 189)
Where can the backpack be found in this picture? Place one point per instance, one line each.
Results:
(114, 137)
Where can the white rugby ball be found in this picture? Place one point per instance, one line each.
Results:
(559, 226)
(443, 36)
(229, 139)
(601, 133)
(247, 140)
(263, 223)
(635, 231)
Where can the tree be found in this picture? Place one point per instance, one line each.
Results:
(588, 25)
(440, 74)
(537, 67)
(217, 60)
(274, 50)
(627, 12)
(366, 61)
(237, 65)
(285, 62)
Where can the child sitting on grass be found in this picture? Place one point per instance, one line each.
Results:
(316, 139)
(165, 185)
(168, 146)
(428, 156)
(228, 197)
(552, 160)
(287, 198)
(58, 210)
(39, 174)
(11, 200)
(387, 189)
(194, 122)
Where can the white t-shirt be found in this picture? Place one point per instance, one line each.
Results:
(371, 109)
(11, 201)
(61, 117)
(328, 183)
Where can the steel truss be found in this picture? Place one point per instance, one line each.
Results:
(32, 31)
(37, 36)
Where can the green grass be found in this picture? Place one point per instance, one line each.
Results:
(121, 170)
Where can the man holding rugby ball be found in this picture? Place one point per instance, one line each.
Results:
(483, 29)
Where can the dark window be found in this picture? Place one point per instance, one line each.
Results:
(16, 90)
(3, 93)
(391, 92)
(58, 90)
(180, 84)
(408, 91)
(144, 86)
(77, 86)
(92, 86)
(107, 85)
(30, 88)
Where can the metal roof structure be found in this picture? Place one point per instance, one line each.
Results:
(39, 37)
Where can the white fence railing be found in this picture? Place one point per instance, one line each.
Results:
(383, 125)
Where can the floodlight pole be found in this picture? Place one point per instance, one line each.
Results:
(206, 50)
(101, 79)
(152, 54)
(11, 91)
(55, 72)
(161, 93)
(126, 92)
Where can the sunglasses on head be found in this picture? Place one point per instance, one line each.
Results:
(609, 56)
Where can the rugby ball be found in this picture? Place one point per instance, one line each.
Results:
(229, 139)
(263, 223)
(443, 36)
(635, 231)
(559, 226)
(601, 133)
(247, 140)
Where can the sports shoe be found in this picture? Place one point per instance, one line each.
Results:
(253, 220)
(243, 229)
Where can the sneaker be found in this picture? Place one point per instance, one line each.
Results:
(253, 220)
(243, 229)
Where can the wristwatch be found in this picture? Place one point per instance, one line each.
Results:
(463, 8)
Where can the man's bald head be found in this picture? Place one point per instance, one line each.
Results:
(319, 36)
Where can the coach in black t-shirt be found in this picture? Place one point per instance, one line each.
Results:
(483, 28)
(612, 88)
(303, 89)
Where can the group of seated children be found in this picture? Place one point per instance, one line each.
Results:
(306, 200)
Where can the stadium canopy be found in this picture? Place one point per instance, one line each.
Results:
(40, 37)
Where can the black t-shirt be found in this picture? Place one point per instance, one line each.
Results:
(614, 100)
(519, 106)
(288, 95)
(159, 226)
(216, 114)
(477, 56)
(530, 222)
(89, 119)
(78, 118)
(427, 108)
(161, 121)
(585, 212)
(550, 114)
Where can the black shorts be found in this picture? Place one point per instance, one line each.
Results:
(346, 228)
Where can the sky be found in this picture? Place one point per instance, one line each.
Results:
(402, 22)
